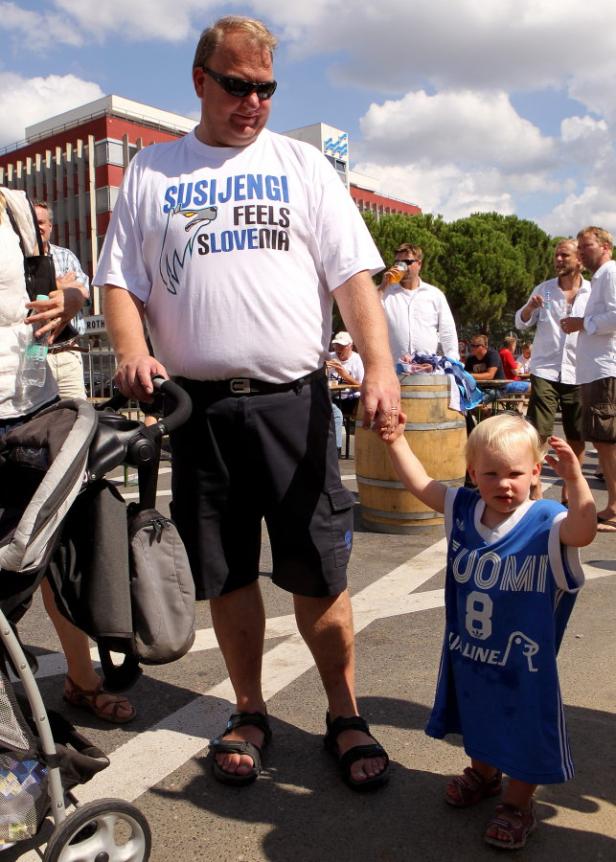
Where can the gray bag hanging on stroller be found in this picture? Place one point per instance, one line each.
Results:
(123, 578)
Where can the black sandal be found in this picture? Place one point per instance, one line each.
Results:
(222, 746)
(358, 752)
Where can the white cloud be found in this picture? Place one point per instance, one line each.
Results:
(466, 127)
(39, 29)
(394, 45)
(445, 189)
(594, 205)
(137, 20)
(24, 101)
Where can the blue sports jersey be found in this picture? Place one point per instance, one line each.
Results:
(507, 605)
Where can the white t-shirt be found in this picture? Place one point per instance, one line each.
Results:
(353, 365)
(418, 320)
(235, 251)
(554, 352)
(15, 335)
(596, 349)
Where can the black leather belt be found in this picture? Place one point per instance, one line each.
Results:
(245, 385)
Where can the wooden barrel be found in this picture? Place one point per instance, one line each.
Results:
(435, 433)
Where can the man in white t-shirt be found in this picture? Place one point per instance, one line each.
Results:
(552, 363)
(222, 240)
(344, 366)
(596, 359)
(418, 316)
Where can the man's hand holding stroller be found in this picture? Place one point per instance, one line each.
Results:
(134, 376)
(136, 367)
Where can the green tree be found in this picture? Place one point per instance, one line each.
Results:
(484, 273)
(427, 231)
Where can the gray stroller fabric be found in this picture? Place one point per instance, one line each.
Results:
(44, 463)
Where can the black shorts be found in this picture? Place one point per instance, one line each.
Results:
(241, 459)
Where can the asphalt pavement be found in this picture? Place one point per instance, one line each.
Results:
(299, 810)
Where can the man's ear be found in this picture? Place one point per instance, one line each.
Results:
(198, 75)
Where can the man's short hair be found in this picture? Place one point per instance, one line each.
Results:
(480, 338)
(45, 206)
(510, 341)
(566, 240)
(602, 236)
(408, 248)
(212, 36)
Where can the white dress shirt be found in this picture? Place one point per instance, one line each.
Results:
(418, 320)
(554, 352)
(596, 353)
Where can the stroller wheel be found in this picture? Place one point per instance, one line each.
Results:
(101, 831)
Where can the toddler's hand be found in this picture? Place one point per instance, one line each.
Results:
(393, 430)
(565, 464)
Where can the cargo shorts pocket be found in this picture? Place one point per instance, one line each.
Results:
(341, 504)
(601, 422)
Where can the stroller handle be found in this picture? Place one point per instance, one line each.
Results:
(119, 440)
(180, 399)
(182, 404)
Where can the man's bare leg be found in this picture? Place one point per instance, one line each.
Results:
(326, 624)
(607, 460)
(239, 624)
(76, 649)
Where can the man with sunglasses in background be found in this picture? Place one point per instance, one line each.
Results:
(418, 315)
(222, 241)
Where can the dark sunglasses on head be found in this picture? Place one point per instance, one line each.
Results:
(240, 89)
(409, 261)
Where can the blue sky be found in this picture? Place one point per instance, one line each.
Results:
(457, 105)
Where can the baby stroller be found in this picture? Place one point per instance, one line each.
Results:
(45, 465)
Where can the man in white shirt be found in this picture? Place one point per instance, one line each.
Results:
(552, 363)
(344, 366)
(418, 316)
(222, 240)
(596, 359)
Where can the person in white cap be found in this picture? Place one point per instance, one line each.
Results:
(344, 366)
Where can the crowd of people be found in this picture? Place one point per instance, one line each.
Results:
(262, 442)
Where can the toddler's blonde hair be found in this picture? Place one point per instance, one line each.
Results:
(499, 433)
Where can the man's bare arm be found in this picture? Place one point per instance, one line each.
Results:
(364, 318)
(124, 321)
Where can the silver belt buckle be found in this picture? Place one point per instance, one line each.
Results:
(240, 385)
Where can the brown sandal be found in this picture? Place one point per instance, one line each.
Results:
(471, 787)
(515, 823)
(89, 700)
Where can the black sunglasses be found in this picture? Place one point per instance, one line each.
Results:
(240, 89)
(409, 261)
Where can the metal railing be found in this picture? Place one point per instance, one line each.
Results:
(99, 366)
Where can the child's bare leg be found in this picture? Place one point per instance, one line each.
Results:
(519, 793)
(514, 819)
(478, 781)
(484, 769)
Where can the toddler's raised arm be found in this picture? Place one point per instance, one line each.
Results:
(580, 526)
